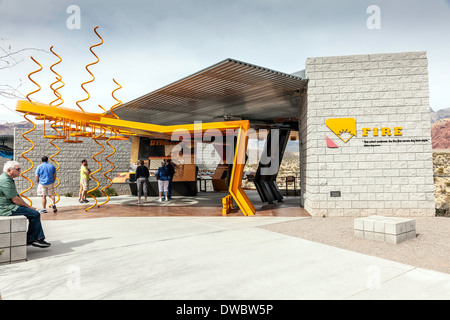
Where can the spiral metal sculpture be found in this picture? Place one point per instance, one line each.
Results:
(98, 170)
(58, 79)
(67, 123)
(93, 78)
(119, 102)
(104, 110)
(27, 132)
(112, 168)
(57, 134)
(58, 166)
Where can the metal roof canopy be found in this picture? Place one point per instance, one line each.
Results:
(229, 89)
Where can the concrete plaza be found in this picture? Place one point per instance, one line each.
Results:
(211, 258)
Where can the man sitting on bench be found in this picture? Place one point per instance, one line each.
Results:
(12, 204)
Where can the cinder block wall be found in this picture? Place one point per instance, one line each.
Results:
(70, 161)
(134, 149)
(376, 175)
(2, 162)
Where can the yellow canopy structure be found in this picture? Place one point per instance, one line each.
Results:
(82, 124)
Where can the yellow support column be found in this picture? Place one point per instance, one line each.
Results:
(237, 173)
(225, 207)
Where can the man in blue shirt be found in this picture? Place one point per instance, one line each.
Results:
(45, 177)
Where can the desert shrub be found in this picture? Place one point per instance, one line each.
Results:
(98, 193)
(444, 209)
(111, 192)
(95, 193)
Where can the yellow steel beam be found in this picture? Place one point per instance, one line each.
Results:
(139, 126)
(39, 109)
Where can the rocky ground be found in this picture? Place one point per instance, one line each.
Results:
(430, 249)
(441, 167)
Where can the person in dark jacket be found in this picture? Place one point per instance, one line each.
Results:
(142, 175)
(171, 167)
(163, 180)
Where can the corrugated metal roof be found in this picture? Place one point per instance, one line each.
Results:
(228, 88)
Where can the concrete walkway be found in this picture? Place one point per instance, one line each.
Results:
(210, 258)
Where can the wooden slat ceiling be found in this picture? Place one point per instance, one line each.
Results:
(228, 88)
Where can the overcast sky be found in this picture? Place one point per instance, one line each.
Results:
(149, 44)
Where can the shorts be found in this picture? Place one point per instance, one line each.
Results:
(84, 185)
(46, 190)
(163, 185)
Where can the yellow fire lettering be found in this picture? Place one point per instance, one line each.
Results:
(398, 131)
(385, 132)
(365, 132)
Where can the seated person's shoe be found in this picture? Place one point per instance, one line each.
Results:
(40, 243)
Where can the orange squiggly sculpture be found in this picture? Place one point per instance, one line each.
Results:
(57, 134)
(112, 168)
(58, 166)
(99, 169)
(58, 79)
(104, 110)
(29, 77)
(119, 102)
(93, 78)
(27, 132)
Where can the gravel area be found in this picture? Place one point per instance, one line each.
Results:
(429, 250)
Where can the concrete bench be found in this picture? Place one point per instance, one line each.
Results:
(385, 229)
(13, 239)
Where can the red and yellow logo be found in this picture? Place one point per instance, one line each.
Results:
(343, 128)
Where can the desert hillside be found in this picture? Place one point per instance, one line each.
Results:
(440, 134)
(8, 128)
(439, 115)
